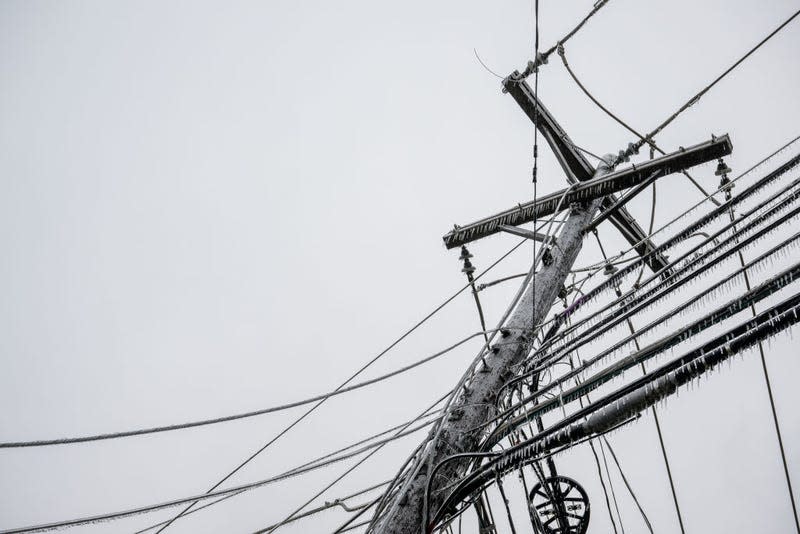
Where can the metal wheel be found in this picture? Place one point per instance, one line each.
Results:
(560, 505)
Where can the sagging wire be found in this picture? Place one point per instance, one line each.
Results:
(490, 71)
(313, 408)
(625, 125)
(340, 477)
(723, 171)
(245, 415)
(618, 276)
(617, 407)
(776, 283)
(741, 197)
(696, 98)
(560, 353)
(541, 58)
(673, 491)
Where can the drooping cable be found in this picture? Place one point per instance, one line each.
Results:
(733, 307)
(611, 485)
(646, 300)
(344, 384)
(228, 418)
(343, 475)
(768, 384)
(708, 87)
(619, 121)
(541, 59)
(603, 485)
(663, 448)
(617, 407)
(693, 266)
(323, 460)
(627, 485)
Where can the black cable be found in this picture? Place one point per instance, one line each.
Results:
(343, 384)
(627, 485)
(535, 146)
(707, 88)
(343, 475)
(541, 59)
(660, 440)
(623, 123)
(611, 485)
(228, 418)
(769, 388)
(505, 502)
(311, 464)
(603, 484)
(663, 383)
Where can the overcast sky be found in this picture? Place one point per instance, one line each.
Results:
(213, 207)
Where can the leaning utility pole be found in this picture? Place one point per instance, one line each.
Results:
(460, 432)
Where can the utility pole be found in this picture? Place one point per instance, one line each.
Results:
(461, 431)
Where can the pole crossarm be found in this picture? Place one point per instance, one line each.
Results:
(577, 168)
(592, 189)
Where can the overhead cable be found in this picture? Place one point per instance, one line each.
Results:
(234, 417)
(312, 409)
(708, 87)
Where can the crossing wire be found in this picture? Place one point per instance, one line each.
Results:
(343, 384)
(313, 463)
(625, 125)
(708, 87)
(674, 492)
(665, 381)
(403, 431)
(290, 517)
(234, 417)
(541, 59)
(674, 240)
(769, 388)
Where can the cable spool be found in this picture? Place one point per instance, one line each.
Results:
(561, 506)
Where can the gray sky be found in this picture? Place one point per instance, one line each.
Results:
(212, 207)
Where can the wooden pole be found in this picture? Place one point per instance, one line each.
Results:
(476, 405)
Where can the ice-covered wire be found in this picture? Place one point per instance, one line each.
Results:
(775, 284)
(708, 87)
(352, 377)
(547, 354)
(234, 417)
(617, 407)
(681, 236)
(205, 496)
(741, 197)
(625, 125)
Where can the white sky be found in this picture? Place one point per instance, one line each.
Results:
(212, 207)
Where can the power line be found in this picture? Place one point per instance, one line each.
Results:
(725, 311)
(334, 453)
(290, 517)
(541, 58)
(245, 415)
(676, 239)
(714, 214)
(625, 125)
(548, 353)
(708, 87)
(327, 506)
(343, 384)
(618, 406)
(308, 467)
